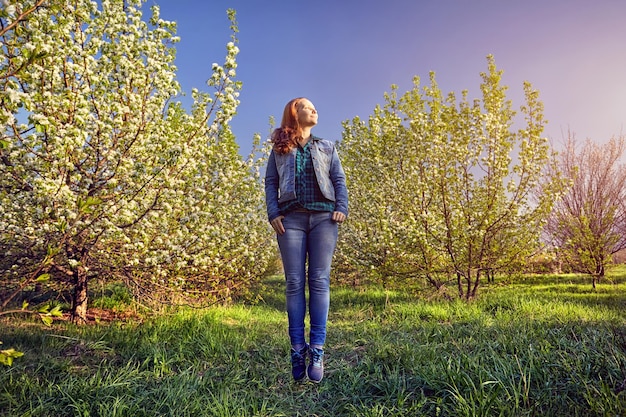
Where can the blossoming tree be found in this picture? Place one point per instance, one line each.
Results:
(588, 225)
(441, 189)
(103, 173)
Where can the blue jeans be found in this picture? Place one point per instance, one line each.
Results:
(312, 235)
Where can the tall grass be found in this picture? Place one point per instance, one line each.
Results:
(537, 346)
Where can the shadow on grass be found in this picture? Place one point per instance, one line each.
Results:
(272, 294)
(574, 289)
(614, 276)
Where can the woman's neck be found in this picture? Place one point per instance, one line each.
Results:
(305, 134)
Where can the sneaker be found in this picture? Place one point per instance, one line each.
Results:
(298, 363)
(315, 371)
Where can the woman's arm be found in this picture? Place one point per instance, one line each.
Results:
(338, 178)
(271, 188)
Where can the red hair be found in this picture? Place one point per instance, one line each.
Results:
(286, 137)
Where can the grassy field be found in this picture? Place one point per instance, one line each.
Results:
(539, 346)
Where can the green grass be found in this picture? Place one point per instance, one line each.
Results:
(535, 346)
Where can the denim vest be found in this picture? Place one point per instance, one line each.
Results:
(280, 177)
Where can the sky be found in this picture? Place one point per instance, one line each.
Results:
(344, 55)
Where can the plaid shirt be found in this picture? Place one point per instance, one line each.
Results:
(308, 193)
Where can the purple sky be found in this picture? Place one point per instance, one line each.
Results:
(344, 55)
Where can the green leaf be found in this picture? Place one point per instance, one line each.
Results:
(56, 311)
(86, 206)
(44, 310)
(7, 356)
(43, 277)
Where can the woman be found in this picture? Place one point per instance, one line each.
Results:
(306, 197)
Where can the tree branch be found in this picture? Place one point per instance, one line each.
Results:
(21, 17)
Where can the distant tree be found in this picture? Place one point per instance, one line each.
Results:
(104, 174)
(442, 189)
(588, 224)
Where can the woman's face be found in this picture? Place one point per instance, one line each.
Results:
(307, 115)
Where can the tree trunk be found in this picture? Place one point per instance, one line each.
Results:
(597, 276)
(79, 299)
(459, 284)
(475, 286)
(434, 282)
